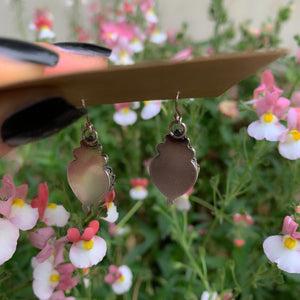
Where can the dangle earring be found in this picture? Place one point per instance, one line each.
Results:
(89, 176)
(174, 170)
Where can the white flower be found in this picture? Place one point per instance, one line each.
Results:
(125, 116)
(55, 215)
(151, 109)
(23, 215)
(112, 214)
(84, 254)
(158, 37)
(123, 284)
(150, 16)
(206, 296)
(138, 193)
(45, 279)
(9, 235)
(183, 203)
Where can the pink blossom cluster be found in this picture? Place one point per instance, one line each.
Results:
(53, 272)
(279, 118)
(120, 30)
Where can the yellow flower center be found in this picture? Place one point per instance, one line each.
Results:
(138, 188)
(156, 32)
(44, 27)
(295, 134)
(110, 35)
(18, 202)
(268, 117)
(146, 102)
(290, 243)
(54, 278)
(150, 11)
(123, 53)
(110, 205)
(51, 205)
(122, 278)
(126, 110)
(88, 245)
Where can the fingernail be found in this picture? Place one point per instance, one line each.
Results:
(84, 48)
(27, 52)
(39, 120)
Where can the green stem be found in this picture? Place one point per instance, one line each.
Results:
(235, 190)
(181, 238)
(202, 202)
(132, 211)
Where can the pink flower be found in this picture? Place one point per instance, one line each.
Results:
(183, 55)
(124, 116)
(270, 110)
(239, 242)
(43, 24)
(289, 145)
(44, 239)
(47, 278)
(87, 249)
(148, 11)
(295, 99)
(122, 52)
(228, 108)
(298, 57)
(172, 36)
(151, 109)
(49, 213)
(244, 219)
(285, 250)
(119, 278)
(13, 206)
(267, 84)
(138, 190)
(137, 43)
(9, 235)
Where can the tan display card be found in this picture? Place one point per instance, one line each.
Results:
(206, 76)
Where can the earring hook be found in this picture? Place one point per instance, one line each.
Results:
(92, 139)
(177, 115)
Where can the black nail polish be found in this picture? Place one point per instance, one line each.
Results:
(27, 52)
(84, 48)
(39, 120)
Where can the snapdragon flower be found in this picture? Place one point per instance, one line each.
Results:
(151, 109)
(120, 279)
(112, 214)
(289, 140)
(267, 84)
(284, 250)
(87, 249)
(270, 110)
(45, 239)
(138, 189)
(43, 24)
(13, 206)
(183, 203)
(124, 115)
(47, 278)
(50, 213)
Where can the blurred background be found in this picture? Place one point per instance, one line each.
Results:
(171, 13)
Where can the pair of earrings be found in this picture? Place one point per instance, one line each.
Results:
(174, 170)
